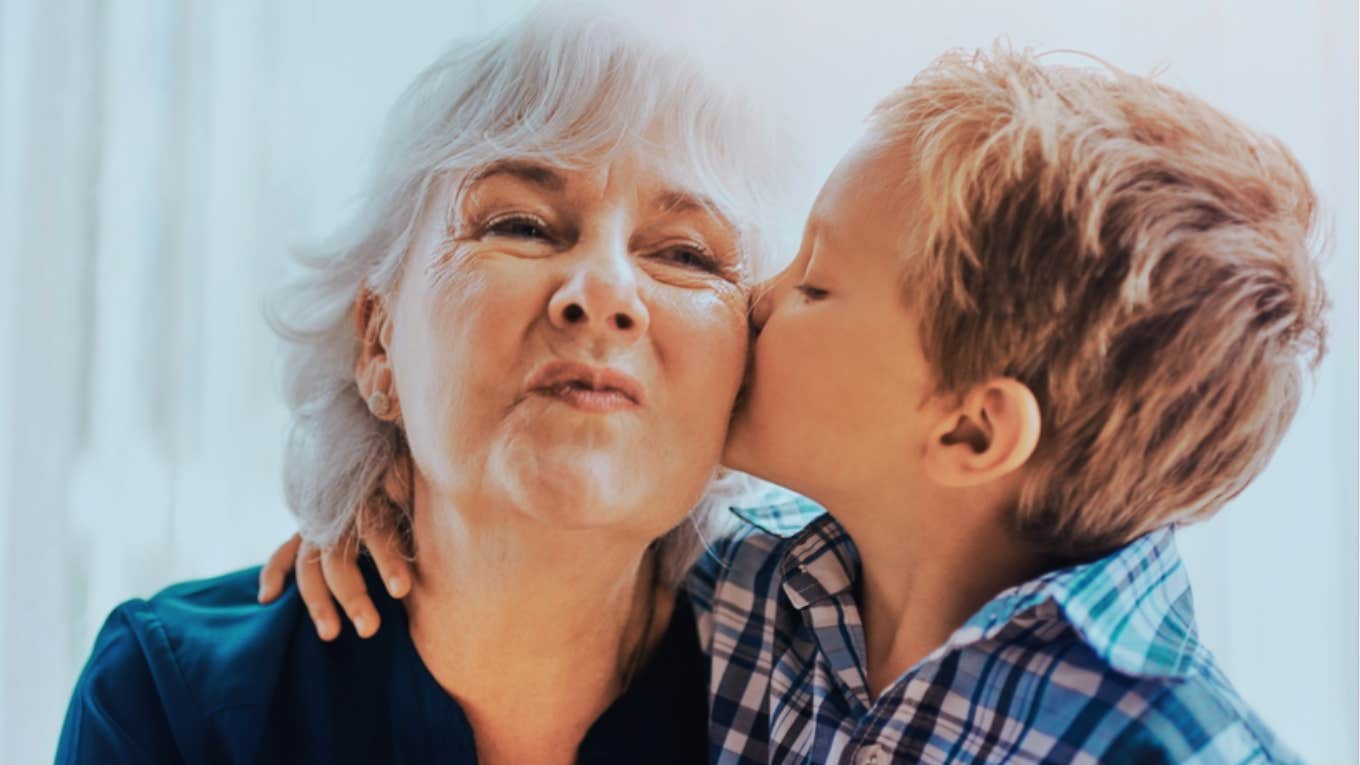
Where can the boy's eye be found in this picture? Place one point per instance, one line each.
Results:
(810, 292)
(518, 227)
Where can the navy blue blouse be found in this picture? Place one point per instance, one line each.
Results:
(201, 673)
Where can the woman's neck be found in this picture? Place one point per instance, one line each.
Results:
(531, 628)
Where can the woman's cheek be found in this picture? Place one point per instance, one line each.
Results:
(471, 313)
(736, 323)
(709, 328)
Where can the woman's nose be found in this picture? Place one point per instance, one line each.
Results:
(600, 299)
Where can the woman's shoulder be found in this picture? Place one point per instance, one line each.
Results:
(217, 635)
(231, 590)
(163, 669)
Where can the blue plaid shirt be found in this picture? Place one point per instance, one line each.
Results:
(1094, 663)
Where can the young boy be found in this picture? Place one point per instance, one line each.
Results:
(1039, 318)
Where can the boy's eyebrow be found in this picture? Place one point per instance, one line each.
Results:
(530, 172)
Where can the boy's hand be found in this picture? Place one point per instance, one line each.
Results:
(323, 574)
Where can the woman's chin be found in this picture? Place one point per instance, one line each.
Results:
(578, 491)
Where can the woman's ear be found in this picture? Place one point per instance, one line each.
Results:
(992, 433)
(373, 368)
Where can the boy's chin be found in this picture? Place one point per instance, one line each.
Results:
(746, 454)
(739, 453)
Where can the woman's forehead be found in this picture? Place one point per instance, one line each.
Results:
(655, 180)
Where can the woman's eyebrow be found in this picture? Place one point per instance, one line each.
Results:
(529, 172)
(679, 201)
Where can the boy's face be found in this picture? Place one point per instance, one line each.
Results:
(834, 401)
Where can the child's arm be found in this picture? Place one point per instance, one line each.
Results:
(326, 573)
(326, 576)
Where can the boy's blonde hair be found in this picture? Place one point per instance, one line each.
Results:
(1138, 259)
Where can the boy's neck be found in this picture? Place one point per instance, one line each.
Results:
(926, 568)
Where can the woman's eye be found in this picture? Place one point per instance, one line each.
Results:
(810, 292)
(690, 257)
(519, 227)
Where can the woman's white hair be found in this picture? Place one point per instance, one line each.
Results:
(557, 87)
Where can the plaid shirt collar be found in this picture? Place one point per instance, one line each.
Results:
(1132, 607)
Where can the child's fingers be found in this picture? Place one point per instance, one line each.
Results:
(276, 569)
(341, 570)
(312, 587)
(388, 548)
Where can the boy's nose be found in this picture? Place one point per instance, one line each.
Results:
(762, 304)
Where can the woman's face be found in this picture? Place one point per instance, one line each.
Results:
(567, 343)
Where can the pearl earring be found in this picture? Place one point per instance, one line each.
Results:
(379, 404)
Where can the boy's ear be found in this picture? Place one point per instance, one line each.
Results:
(992, 433)
(373, 368)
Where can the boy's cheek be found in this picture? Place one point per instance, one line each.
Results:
(790, 391)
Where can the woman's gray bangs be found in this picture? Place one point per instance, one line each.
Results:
(578, 92)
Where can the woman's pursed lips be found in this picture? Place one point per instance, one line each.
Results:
(586, 386)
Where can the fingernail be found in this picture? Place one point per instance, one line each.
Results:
(361, 626)
(394, 587)
(323, 628)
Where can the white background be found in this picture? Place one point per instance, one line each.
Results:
(157, 159)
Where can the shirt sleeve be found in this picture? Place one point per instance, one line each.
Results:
(1188, 720)
(118, 712)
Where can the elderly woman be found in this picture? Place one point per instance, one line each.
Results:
(542, 309)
